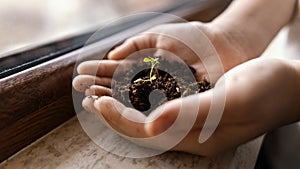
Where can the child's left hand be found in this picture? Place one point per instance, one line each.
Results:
(259, 97)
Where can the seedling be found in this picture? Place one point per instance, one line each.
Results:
(154, 61)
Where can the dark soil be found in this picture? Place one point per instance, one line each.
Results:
(146, 96)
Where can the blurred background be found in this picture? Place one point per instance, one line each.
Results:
(24, 24)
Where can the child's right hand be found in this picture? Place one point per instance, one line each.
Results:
(163, 37)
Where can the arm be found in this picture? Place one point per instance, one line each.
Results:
(244, 30)
(251, 25)
(296, 109)
(260, 94)
(239, 34)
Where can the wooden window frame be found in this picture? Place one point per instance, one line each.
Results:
(36, 100)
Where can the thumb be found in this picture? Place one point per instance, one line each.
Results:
(131, 45)
(161, 118)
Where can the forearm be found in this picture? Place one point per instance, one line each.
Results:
(296, 66)
(254, 23)
(289, 110)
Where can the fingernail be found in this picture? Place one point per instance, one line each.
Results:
(88, 103)
(88, 92)
(93, 97)
(99, 99)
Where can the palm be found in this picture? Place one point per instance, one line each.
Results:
(178, 41)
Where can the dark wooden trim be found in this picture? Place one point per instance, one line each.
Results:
(38, 99)
(29, 57)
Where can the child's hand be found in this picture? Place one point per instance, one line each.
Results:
(178, 35)
(259, 94)
(178, 41)
(181, 38)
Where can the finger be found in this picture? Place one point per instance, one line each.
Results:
(83, 82)
(161, 118)
(161, 121)
(88, 105)
(131, 45)
(98, 91)
(103, 68)
(195, 106)
(126, 121)
(200, 72)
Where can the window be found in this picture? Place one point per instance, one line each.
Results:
(38, 47)
(32, 22)
(28, 24)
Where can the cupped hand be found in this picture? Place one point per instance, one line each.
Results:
(259, 95)
(249, 99)
(181, 39)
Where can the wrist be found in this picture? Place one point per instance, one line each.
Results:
(231, 46)
(253, 24)
(289, 86)
(295, 64)
(249, 41)
(279, 93)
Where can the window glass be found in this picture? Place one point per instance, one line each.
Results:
(31, 22)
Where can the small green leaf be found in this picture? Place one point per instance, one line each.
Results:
(147, 60)
(138, 80)
(153, 77)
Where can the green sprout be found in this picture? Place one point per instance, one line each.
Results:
(154, 61)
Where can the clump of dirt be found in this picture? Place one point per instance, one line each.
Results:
(169, 84)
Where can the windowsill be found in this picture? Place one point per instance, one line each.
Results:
(68, 147)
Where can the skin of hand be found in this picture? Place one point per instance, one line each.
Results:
(231, 52)
(239, 34)
(101, 72)
(260, 96)
(254, 103)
